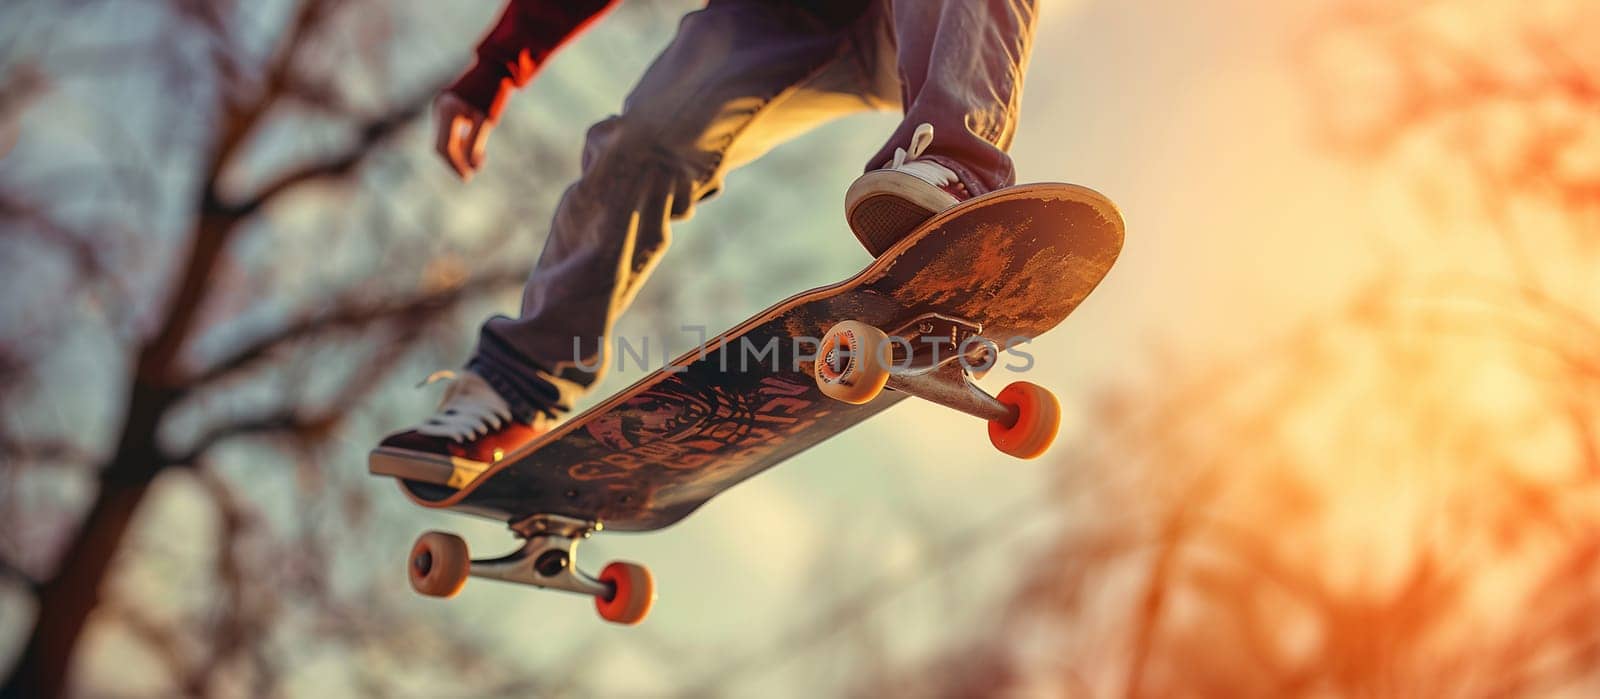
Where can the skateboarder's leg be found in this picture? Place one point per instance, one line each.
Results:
(961, 64)
(740, 76)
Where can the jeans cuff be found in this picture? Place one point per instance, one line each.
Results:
(521, 384)
(975, 186)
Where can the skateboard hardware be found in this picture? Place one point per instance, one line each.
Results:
(856, 365)
(548, 556)
(940, 368)
(949, 385)
(935, 339)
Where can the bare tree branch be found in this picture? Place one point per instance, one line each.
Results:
(352, 315)
(373, 132)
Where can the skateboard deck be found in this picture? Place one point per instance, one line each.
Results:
(1014, 262)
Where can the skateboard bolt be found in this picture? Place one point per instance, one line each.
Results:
(551, 563)
(423, 562)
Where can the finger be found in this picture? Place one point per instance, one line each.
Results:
(478, 140)
(446, 121)
(456, 146)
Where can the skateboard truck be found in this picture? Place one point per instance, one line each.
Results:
(933, 357)
(548, 557)
(623, 592)
(934, 339)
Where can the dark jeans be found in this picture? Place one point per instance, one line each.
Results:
(740, 77)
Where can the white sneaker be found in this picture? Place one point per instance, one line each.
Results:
(884, 205)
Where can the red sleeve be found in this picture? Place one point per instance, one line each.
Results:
(519, 44)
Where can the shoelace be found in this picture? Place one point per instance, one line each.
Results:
(468, 410)
(936, 174)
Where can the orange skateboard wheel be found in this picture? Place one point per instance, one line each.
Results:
(1038, 418)
(439, 564)
(633, 593)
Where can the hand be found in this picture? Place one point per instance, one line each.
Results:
(463, 134)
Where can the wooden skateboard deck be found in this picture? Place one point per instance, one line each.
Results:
(1017, 261)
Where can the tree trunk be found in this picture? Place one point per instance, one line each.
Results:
(67, 598)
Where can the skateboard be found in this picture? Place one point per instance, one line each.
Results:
(956, 297)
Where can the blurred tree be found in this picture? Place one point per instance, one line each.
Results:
(215, 234)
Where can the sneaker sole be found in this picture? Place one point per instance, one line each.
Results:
(883, 206)
(451, 471)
